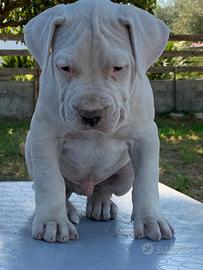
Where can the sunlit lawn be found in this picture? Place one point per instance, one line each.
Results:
(12, 165)
(181, 160)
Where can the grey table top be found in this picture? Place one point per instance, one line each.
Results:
(102, 245)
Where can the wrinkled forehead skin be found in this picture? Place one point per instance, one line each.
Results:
(91, 34)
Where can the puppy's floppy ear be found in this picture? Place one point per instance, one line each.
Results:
(39, 31)
(148, 35)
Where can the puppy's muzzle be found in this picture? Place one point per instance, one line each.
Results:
(92, 110)
(91, 117)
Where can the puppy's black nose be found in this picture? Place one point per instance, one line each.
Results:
(92, 117)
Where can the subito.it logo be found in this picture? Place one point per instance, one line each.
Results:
(147, 248)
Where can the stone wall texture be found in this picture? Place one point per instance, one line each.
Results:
(17, 97)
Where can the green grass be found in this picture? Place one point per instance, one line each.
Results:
(12, 165)
(181, 158)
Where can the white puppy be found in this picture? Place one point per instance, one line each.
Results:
(93, 129)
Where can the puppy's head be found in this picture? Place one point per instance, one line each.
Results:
(95, 49)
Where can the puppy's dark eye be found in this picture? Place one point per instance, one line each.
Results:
(116, 68)
(66, 68)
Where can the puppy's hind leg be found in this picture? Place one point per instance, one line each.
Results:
(99, 204)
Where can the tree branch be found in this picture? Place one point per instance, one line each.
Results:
(11, 6)
(13, 23)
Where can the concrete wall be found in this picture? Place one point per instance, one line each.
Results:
(164, 98)
(180, 96)
(16, 97)
(190, 95)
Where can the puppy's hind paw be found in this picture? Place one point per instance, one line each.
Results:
(99, 209)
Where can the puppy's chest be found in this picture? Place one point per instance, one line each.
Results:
(92, 159)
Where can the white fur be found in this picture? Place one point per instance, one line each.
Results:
(61, 152)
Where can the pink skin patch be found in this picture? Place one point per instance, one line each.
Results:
(88, 187)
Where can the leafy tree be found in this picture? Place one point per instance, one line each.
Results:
(15, 13)
(176, 62)
(148, 5)
(183, 17)
(17, 61)
(164, 62)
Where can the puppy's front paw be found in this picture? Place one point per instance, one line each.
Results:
(99, 208)
(154, 228)
(60, 230)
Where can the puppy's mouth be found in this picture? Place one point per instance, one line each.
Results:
(105, 121)
(91, 118)
(91, 113)
(91, 121)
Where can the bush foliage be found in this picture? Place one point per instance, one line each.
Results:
(15, 13)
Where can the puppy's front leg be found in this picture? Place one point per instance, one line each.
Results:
(50, 220)
(147, 216)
